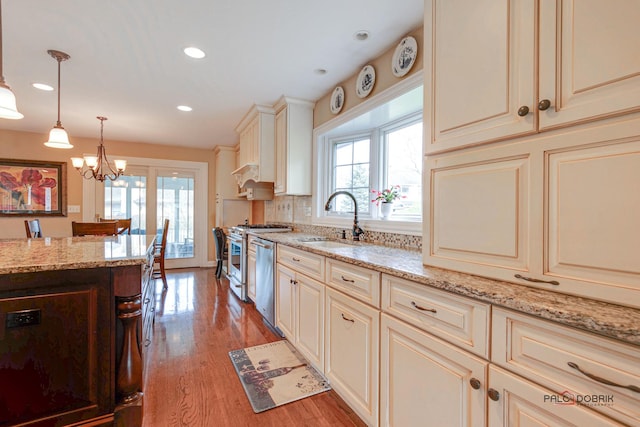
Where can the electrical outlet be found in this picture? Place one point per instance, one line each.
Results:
(73, 208)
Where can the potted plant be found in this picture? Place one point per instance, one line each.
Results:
(385, 199)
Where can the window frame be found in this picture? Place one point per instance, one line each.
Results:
(322, 135)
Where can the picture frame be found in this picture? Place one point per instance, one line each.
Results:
(33, 188)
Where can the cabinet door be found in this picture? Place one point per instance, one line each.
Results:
(593, 207)
(425, 381)
(226, 184)
(251, 275)
(280, 184)
(483, 58)
(351, 353)
(479, 207)
(589, 60)
(310, 319)
(516, 402)
(285, 301)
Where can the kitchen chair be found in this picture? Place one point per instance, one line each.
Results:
(94, 228)
(220, 240)
(32, 228)
(159, 254)
(123, 225)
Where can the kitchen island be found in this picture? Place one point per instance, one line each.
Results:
(70, 329)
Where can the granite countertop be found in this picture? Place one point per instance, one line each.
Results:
(69, 253)
(613, 321)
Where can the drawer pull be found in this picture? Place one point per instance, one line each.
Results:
(347, 280)
(293, 282)
(493, 394)
(602, 380)
(431, 310)
(295, 259)
(147, 341)
(475, 383)
(347, 319)
(531, 279)
(147, 300)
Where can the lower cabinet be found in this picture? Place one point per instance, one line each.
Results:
(425, 381)
(300, 313)
(352, 353)
(516, 402)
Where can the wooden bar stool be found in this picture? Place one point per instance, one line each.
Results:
(159, 254)
(94, 228)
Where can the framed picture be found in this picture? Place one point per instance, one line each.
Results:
(33, 188)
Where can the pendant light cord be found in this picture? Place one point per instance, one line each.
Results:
(58, 123)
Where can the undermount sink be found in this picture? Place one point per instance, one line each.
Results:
(328, 244)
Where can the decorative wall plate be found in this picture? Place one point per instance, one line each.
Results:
(404, 56)
(366, 80)
(337, 100)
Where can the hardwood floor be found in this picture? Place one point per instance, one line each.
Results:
(189, 379)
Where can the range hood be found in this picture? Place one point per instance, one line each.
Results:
(246, 173)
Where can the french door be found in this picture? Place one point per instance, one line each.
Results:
(152, 192)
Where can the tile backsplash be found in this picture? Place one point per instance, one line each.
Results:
(296, 212)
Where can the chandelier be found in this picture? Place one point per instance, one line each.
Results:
(8, 109)
(98, 167)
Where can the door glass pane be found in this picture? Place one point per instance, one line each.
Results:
(126, 197)
(175, 192)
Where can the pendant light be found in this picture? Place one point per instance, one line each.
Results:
(8, 108)
(58, 137)
(98, 167)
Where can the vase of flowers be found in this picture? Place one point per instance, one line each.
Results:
(385, 199)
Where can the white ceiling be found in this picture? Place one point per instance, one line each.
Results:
(127, 62)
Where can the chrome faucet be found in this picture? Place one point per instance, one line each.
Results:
(356, 231)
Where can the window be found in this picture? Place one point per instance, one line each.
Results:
(375, 146)
(351, 173)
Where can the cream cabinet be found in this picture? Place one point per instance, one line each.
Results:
(226, 185)
(257, 145)
(520, 67)
(572, 364)
(425, 381)
(300, 313)
(251, 269)
(558, 212)
(516, 402)
(352, 353)
(293, 146)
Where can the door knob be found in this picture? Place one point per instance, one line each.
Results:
(523, 111)
(544, 104)
(475, 383)
(493, 394)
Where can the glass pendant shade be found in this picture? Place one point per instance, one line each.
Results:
(58, 138)
(8, 107)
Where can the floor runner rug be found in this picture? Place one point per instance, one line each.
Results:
(274, 374)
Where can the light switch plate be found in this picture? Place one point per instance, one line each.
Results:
(73, 208)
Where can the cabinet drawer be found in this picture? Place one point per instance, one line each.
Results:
(461, 321)
(304, 262)
(357, 282)
(553, 355)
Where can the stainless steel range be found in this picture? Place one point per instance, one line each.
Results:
(238, 246)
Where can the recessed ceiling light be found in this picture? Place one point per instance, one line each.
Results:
(320, 71)
(42, 86)
(184, 108)
(194, 52)
(361, 35)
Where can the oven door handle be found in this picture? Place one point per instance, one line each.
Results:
(260, 244)
(235, 239)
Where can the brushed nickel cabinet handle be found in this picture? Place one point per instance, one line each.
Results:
(523, 111)
(475, 383)
(544, 104)
(531, 279)
(346, 318)
(347, 280)
(493, 394)
(602, 380)
(431, 310)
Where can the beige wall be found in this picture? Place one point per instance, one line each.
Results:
(384, 80)
(29, 146)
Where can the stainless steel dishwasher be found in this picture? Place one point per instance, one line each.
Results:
(265, 280)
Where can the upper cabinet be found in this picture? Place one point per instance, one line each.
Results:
(523, 66)
(256, 158)
(293, 140)
(226, 185)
